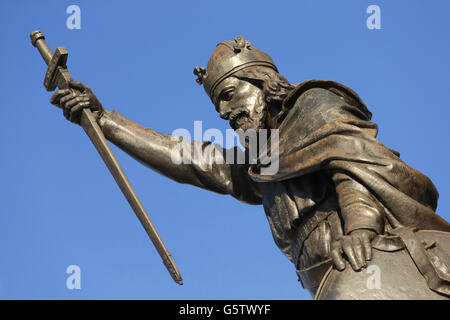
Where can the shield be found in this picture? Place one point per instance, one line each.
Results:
(396, 272)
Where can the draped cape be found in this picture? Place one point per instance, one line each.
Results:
(335, 134)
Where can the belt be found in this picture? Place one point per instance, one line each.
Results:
(310, 277)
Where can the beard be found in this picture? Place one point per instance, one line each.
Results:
(248, 123)
(253, 119)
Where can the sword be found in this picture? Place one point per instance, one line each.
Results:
(57, 75)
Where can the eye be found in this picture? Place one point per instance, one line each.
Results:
(227, 95)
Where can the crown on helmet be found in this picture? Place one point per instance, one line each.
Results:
(229, 57)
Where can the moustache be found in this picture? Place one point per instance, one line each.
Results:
(238, 117)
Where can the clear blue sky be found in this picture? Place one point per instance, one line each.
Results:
(60, 205)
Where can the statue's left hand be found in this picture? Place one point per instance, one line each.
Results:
(356, 247)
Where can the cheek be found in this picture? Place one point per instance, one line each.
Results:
(257, 103)
(248, 102)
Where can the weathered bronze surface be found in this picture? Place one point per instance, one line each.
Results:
(340, 202)
(401, 278)
(58, 76)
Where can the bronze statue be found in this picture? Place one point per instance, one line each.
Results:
(340, 201)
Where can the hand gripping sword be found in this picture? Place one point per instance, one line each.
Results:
(58, 76)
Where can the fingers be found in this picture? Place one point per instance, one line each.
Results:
(68, 104)
(347, 247)
(73, 94)
(367, 247)
(79, 106)
(359, 252)
(55, 99)
(66, 113)
(75, 111)
(72, 105)
(336, 255)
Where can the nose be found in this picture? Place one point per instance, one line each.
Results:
(224, 112)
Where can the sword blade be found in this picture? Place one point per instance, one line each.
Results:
(90, 126)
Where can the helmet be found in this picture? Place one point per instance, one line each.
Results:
(229, 57)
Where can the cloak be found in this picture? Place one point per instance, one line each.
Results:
(331, 132)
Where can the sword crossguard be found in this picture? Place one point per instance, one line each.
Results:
(56, 61)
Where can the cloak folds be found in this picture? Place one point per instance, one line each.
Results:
(326, 128)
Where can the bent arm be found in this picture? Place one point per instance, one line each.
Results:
(155, 150)
(359, 209)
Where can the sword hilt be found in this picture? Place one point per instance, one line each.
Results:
(56, 62)
(38, 40)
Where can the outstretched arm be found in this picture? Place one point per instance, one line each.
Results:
(156, 150)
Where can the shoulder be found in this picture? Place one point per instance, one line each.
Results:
(315, 92)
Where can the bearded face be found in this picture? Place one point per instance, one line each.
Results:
(241, 103)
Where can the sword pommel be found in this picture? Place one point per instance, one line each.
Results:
(36, 35)
(38, 40)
